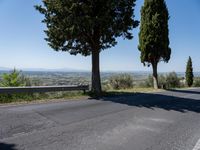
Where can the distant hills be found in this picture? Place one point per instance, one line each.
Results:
(52, 70)
(5, 69)
(43, 70)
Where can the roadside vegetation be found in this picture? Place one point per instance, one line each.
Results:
(112, 83)
(123, 81)
(170, 80)
(17, 79)
(15, 98)
(196, 82)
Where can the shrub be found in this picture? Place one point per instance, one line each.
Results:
(148, 82)
(14, 79)
(196, 82)
(106, 85)
(122, 81)
(172, 80)
(162, 81)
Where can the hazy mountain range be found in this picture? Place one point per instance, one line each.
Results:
(5, 69)
(43, 69)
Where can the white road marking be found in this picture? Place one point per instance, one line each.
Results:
(197, 146)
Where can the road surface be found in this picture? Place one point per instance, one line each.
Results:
(155, 121)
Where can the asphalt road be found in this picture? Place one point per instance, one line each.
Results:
(158, 121)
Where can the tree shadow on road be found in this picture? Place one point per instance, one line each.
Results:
(4, 146)
(152, 101)
(184, 91)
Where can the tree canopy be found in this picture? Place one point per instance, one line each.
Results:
(153, 36)
(80, 26)
(87, 27)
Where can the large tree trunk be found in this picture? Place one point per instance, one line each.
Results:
(96, 80)
(155, 75)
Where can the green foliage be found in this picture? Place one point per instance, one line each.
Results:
(148, 82)
(122, 81)
(87, 27)
(196, 82)
(170, 80)
(106, 85)
(5, 98)
(162, 81)
(189, 73)
(14, 79)
(81, 26)
(153, 36)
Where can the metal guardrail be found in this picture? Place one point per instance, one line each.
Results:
(42, 89)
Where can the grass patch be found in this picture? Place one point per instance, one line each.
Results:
(70, 95)
(17, 98)
(135, 90)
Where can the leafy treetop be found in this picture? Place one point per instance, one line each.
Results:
(80, 26)
(153, 36)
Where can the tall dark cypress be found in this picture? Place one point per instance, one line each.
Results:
(154, 35)
(189, 73)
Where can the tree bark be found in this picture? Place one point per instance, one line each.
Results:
(96, 80)
(155, 75)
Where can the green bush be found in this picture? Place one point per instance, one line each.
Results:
(106, 85)
(148, 82)
(162, 81)
(196, 82)
(122, 81)
(170, 80)
(14, 79)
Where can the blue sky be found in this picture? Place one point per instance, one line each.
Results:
(22, 43)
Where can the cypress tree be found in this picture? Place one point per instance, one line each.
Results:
(189, 73)
(88, 27)
(153, 36)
